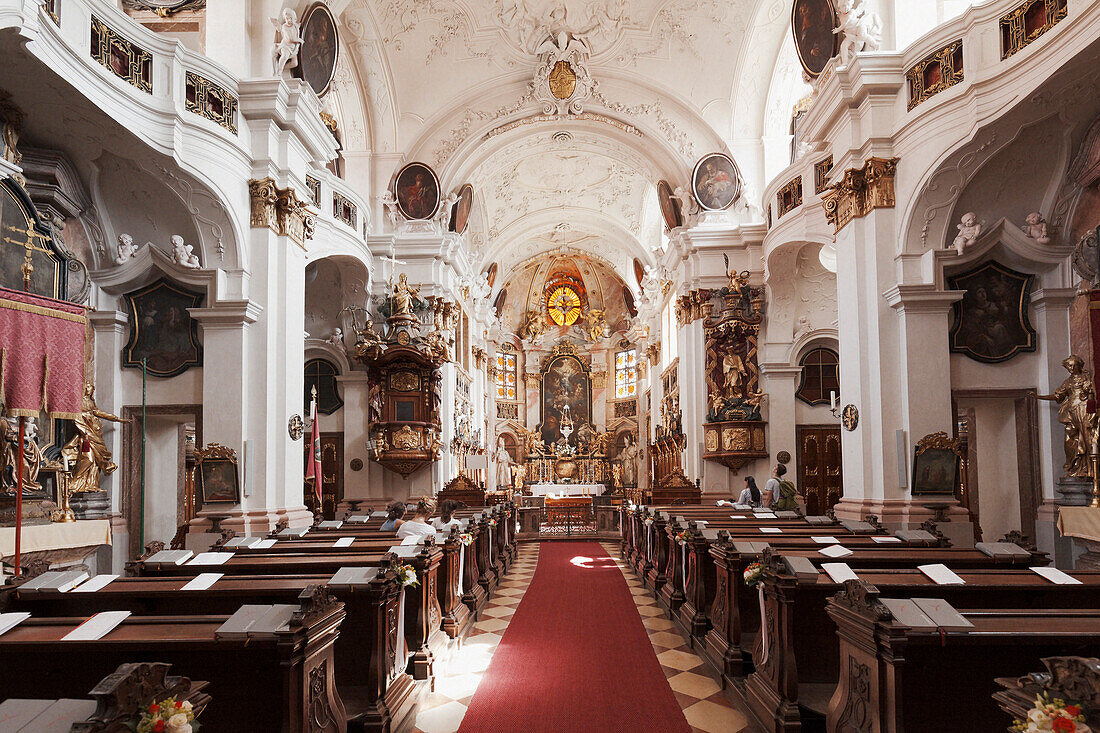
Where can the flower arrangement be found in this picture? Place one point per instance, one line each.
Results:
(1052, 714)
(752, 574)
(681, 536)
(407, 575)
(466, 538)
(492, 522)
(168, 716)
(649, 521)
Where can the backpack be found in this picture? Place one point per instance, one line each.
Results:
(787, 500)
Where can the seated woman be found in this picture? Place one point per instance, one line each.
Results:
(420, 525)
(750, 494)
(394, 514)
(446, 518)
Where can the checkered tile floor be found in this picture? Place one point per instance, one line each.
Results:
(705, 706)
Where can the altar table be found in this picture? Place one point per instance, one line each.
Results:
(567, 489)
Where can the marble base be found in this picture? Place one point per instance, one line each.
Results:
(91, 505)
(1075, 491)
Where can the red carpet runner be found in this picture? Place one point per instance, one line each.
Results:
(575, 656)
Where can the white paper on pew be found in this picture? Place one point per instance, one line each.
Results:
(764, 515)
(839, 571)
(411, 540)
(94, 584)
(826, 540)
(882, 540)
(211, 558)
(9, 621)
(202, 581)
(771, 530)
(738, 516)
(263, 544)
(97, 626)
(1056, 576)
(343, 542)
(940, 574)
(835, 551)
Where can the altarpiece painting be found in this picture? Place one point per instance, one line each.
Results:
(991, 322)
(161, 330)
(566, 400)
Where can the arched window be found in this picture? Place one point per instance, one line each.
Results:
(626, 373)
(322, 374)
(820, 376)
(506, 376)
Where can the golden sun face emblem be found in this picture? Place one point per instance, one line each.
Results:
(564, 306)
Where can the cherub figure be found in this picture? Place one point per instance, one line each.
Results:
(288, 41)
(1036, 228)
(969, 231)
(127, 250)
(183, 253)
(337, 337)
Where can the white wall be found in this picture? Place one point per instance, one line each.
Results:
(162, 475)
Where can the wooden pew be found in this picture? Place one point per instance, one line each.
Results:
(281, 682)
(369, 657)
(895, 678)
(802, 660)
(423, 617)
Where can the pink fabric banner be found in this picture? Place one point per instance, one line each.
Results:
(41, 355)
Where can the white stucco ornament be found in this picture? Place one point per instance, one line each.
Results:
(562, 83)
(288, 41)
(969, 231)
(183, 253)
(127, 250)
(861, 29)
(1036, 228)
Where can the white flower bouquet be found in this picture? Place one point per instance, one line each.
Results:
(407, 575)
(168, 716)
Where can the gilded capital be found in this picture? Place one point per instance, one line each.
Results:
(860, 191)
(280, 210)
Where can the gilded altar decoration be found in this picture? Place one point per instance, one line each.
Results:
(406, 392)
(937, 460)
(1073, 397)
(563, 304)
(693, 306)
(532, 326)
(86, 451)
(562, 80)
(127, 61)
(595, 327)
(859, 191)
(9, 455)
(280, 210)
(940, 70)
(991, 322)
(1027, 21)
(207, 99)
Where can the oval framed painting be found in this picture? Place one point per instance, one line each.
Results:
(320, 48)
(670, 208)
(416, 189)
(460, 213)
(812, 24)
(716, 182)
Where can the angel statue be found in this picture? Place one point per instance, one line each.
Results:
(288, 41)
(87, 449)
(862, 29)
(1073, 397)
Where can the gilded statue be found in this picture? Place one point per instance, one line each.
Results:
(86, 449)
(533, 326)
(594, 325)
(402, 298)
(1073, 397)
(9, 455)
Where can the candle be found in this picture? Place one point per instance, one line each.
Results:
(832, 399)
(66, 458)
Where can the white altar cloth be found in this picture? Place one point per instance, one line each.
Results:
(567, 489)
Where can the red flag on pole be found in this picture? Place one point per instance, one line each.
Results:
(313, 465)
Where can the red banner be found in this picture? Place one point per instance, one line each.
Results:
(41, 355)
(313, 465)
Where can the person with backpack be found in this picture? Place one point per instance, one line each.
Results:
(779, 493)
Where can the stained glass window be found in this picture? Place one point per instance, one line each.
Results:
(506, 376)
(626, 373)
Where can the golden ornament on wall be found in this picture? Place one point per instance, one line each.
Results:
(406, 439)
(562, 80)
(712, 441)
(404, 382)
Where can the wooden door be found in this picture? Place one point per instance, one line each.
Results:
(332, 475)
(819, 467)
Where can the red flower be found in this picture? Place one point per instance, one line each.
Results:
(179, 703)
(158, 727)
(153, 709)
(1073, 711)
(1063, 725)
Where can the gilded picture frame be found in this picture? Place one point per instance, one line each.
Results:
(716, 182)
(219, 481)
(937, 461)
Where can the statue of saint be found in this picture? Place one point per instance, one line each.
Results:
(402, 298)
(9, 455)
(1073, 397)
(628, 458)
(87, 449)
